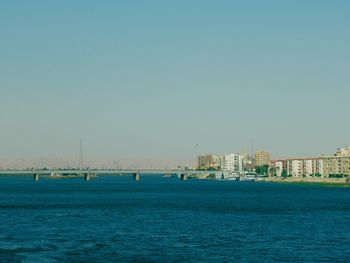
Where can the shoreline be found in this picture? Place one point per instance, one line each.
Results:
(338, 182)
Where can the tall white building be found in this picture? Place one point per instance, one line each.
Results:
(313, 166)
(295, 167)
(308, 167)
(233, 162)
(319, 167)
(279, 168)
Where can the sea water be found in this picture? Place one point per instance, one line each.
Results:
(158, 219)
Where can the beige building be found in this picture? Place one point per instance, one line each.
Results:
(336, 165)
(206, 161)
(343, 152)
(261, 158)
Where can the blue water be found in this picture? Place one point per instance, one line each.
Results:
(114, 219)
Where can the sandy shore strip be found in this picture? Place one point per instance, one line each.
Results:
(308, 180)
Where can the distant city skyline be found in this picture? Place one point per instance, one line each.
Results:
(140, 162)
(154, 79)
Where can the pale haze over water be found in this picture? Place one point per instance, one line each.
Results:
(151, 79)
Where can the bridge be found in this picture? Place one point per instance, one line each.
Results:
(87, 174)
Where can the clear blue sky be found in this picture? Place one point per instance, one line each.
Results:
(154, 78)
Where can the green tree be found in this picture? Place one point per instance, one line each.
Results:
(284, 173)
(266, 169)
(272, 171)
(262, 169)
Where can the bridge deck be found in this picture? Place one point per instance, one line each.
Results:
(105, 172)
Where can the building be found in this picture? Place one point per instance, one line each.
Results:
(298, 167)
(295, 167)
(319, 167)
(279, 166)
(334, 166)
(337, 165)
(262, 158)
(232, 162)
(229, 162)
(312, 167)
(343, 152)
(205, 161)
(218, 161)
(308, 167)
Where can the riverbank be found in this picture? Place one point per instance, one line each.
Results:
(344, 182)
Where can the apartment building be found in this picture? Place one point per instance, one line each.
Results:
(205, 161)
(343, 152)
(295, 167)
(312, 166)
(298, 167)
(232, 162)
(277, 167)
(336, 165)
(262, 158)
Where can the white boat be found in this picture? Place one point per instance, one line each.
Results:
(229, 176)
(247, 179)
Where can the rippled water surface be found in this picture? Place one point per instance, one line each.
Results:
(114, 219)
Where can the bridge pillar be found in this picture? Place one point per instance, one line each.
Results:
(136, 176)
(36, 177)
(183, 177)
(87, 177)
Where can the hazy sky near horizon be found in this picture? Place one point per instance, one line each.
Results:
(155, 78)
